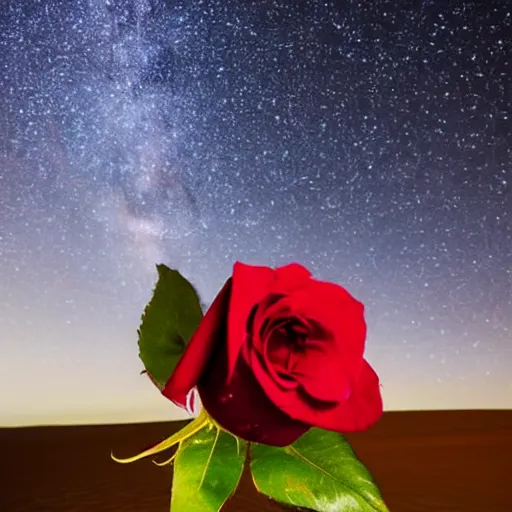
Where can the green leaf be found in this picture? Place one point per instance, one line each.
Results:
(168, 322)
(207, 469)
(319, 471)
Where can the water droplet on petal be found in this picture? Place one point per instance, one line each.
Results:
(225, 398)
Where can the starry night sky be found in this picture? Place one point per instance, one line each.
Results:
(369, 141)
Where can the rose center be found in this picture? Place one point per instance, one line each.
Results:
(286, 344)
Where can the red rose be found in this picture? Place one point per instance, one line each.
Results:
(277, 353)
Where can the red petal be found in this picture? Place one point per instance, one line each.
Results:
(250, 286)
(321, 374)
(334, 310)
(291, 277)
(361, 410)
(194, 360)
(242, 408)
(277, 371)
(273, 386)
(263, 323)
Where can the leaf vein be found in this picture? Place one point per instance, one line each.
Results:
(208, 461)
(295, 452)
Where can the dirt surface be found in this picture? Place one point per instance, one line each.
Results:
(442, 461)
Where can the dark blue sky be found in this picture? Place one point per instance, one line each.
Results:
(373, 145)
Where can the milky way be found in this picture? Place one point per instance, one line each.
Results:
(373, 145)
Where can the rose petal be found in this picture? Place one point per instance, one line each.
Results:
(250, 286)
(241, 406)
(321, 374)
(292, 277)
(262, 287)
(278, 372)
(199, 349)
(337, 324)
(361, 410)
(344, 319)
(340, 314)
(264, 321)
(278, 347)
(278, 390)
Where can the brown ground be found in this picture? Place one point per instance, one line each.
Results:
(452, 461)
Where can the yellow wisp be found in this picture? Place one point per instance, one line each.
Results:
(202, 421)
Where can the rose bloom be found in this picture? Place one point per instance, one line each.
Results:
(277, 353)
